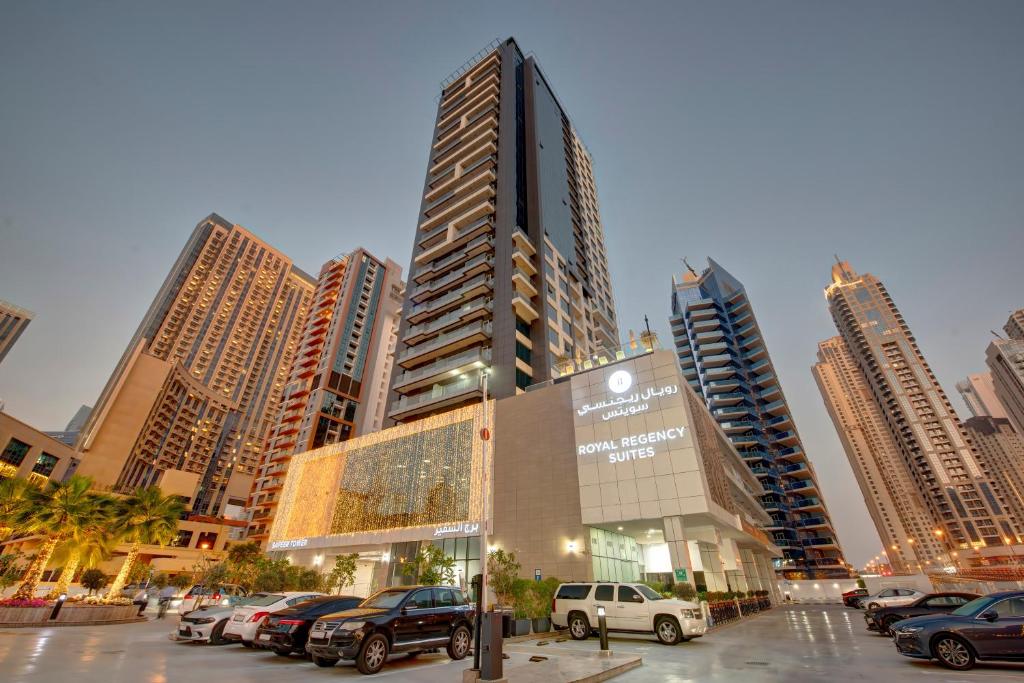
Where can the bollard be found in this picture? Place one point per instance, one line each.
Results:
(602, 627)
(491, 665)
(56, 607)
(477, 627)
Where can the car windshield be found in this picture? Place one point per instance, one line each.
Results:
(385, 599)
(263, 599)
(973, 607)
(649, 592)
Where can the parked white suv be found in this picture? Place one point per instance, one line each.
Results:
(246, 618)
(891, 597)
(629, 608)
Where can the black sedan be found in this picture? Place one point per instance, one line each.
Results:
(989, 628)
(883, 618)
(287, 631)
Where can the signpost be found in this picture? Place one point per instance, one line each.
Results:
(680, 575)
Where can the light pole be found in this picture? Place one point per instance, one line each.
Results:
(485, 436)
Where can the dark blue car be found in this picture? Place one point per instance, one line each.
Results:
(988, 628)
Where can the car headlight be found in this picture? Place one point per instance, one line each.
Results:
(690, 614)
(207, 620)
(350, 626)
(909, 629)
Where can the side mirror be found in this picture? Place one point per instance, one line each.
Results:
(990, 615)
(637, 598)
(404, 610)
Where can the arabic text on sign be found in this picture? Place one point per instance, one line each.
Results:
(622, 406)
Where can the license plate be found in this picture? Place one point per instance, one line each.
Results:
(264, 636)
(237, 617)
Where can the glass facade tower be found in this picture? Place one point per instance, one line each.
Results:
(724, 358)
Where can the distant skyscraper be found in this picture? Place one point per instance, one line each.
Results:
(13, 321)
(338, 382)
(1005, 359)
(979, 393)
(726, 361)
(961, 500)
(1000, 451)
(1014, 327)
(890, 493)
(508, 270)
(70, 434)
(192, 400)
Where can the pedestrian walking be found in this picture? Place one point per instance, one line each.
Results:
(164, 598)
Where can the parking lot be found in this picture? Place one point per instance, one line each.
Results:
(793, 644)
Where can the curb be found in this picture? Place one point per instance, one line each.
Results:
(75, 623)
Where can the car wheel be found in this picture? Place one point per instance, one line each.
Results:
(217, 634)
(325, 662)
(282, 652)
(247, 643)
(873, 605)
(667, 630)
(888, 624)
(372, 654)
(953, 652)
(458, 645)
(579, 627)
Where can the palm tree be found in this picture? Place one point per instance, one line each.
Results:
(87, 544)
(147, 516)
(15, 501)
(54, 512)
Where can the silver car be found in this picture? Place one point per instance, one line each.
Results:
(891, 597)
(204, 625)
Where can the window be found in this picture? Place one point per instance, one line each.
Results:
(627, 594)
(523, 380)
(522, 352)
(15, 452)
(573, 592)
(45, 464)
(443, 597)
(1014, 607)
(420, 600)
(604, 593)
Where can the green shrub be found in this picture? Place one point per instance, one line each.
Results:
(684, 591)
(93, 580)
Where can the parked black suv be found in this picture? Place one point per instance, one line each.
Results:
(407, 619)
(286, 631)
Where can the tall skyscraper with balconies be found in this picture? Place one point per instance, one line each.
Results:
(725, 360)
(13, 321)
(1000, 450)
(893, 500)
(1005, 359)
(935, 455)
(979, 394)
(191, 401)
(508, 270)
(338, 383)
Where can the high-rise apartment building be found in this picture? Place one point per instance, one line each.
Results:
(725, 359)
(508, 269)
(193, 398)
(1000, 450)
(895, 505)
(338, 382)
(979, 394)
(1005, 359)
(1014, 326)
(962, 501)
(13, 321)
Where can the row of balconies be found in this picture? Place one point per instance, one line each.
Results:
(449, 366)
(470, 289)
(444, 344)
(479, 307)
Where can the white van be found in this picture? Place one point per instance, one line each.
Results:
(629, 608)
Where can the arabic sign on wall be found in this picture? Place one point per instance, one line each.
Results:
(635, 454)
(461, 529)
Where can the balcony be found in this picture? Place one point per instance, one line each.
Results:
(699, 304)
(761, 471)
(703, 313)
(727, 399)
(712, 336)
(731, 412)
(787, 438)
(755, 456)
(450, 366)
(716, 360)
(738, 306)
(748, 440)
(722, 385)
(478, 308)
(805, 486)
(793, 453)
(479, 285)
(796, 470)
(524, 308)
(721, 372)
(523, 261)
(768, 379)
(758, 367)
(445, 344)
(812, 523)
(522, 283)
(770, 394)
(737, 427)
(475, 247)
(707, 326)
(475, 266)
(438, 397)
(775, 408)
(482, 195)
(755, 354)
(744, 330)
(780, 422)
(809, 503)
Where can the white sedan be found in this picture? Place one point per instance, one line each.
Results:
(891, 597)
(245, 619)
(204, 625)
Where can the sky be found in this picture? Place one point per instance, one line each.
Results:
(769, 136)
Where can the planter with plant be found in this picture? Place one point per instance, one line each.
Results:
(541, 595)
(521, 602)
